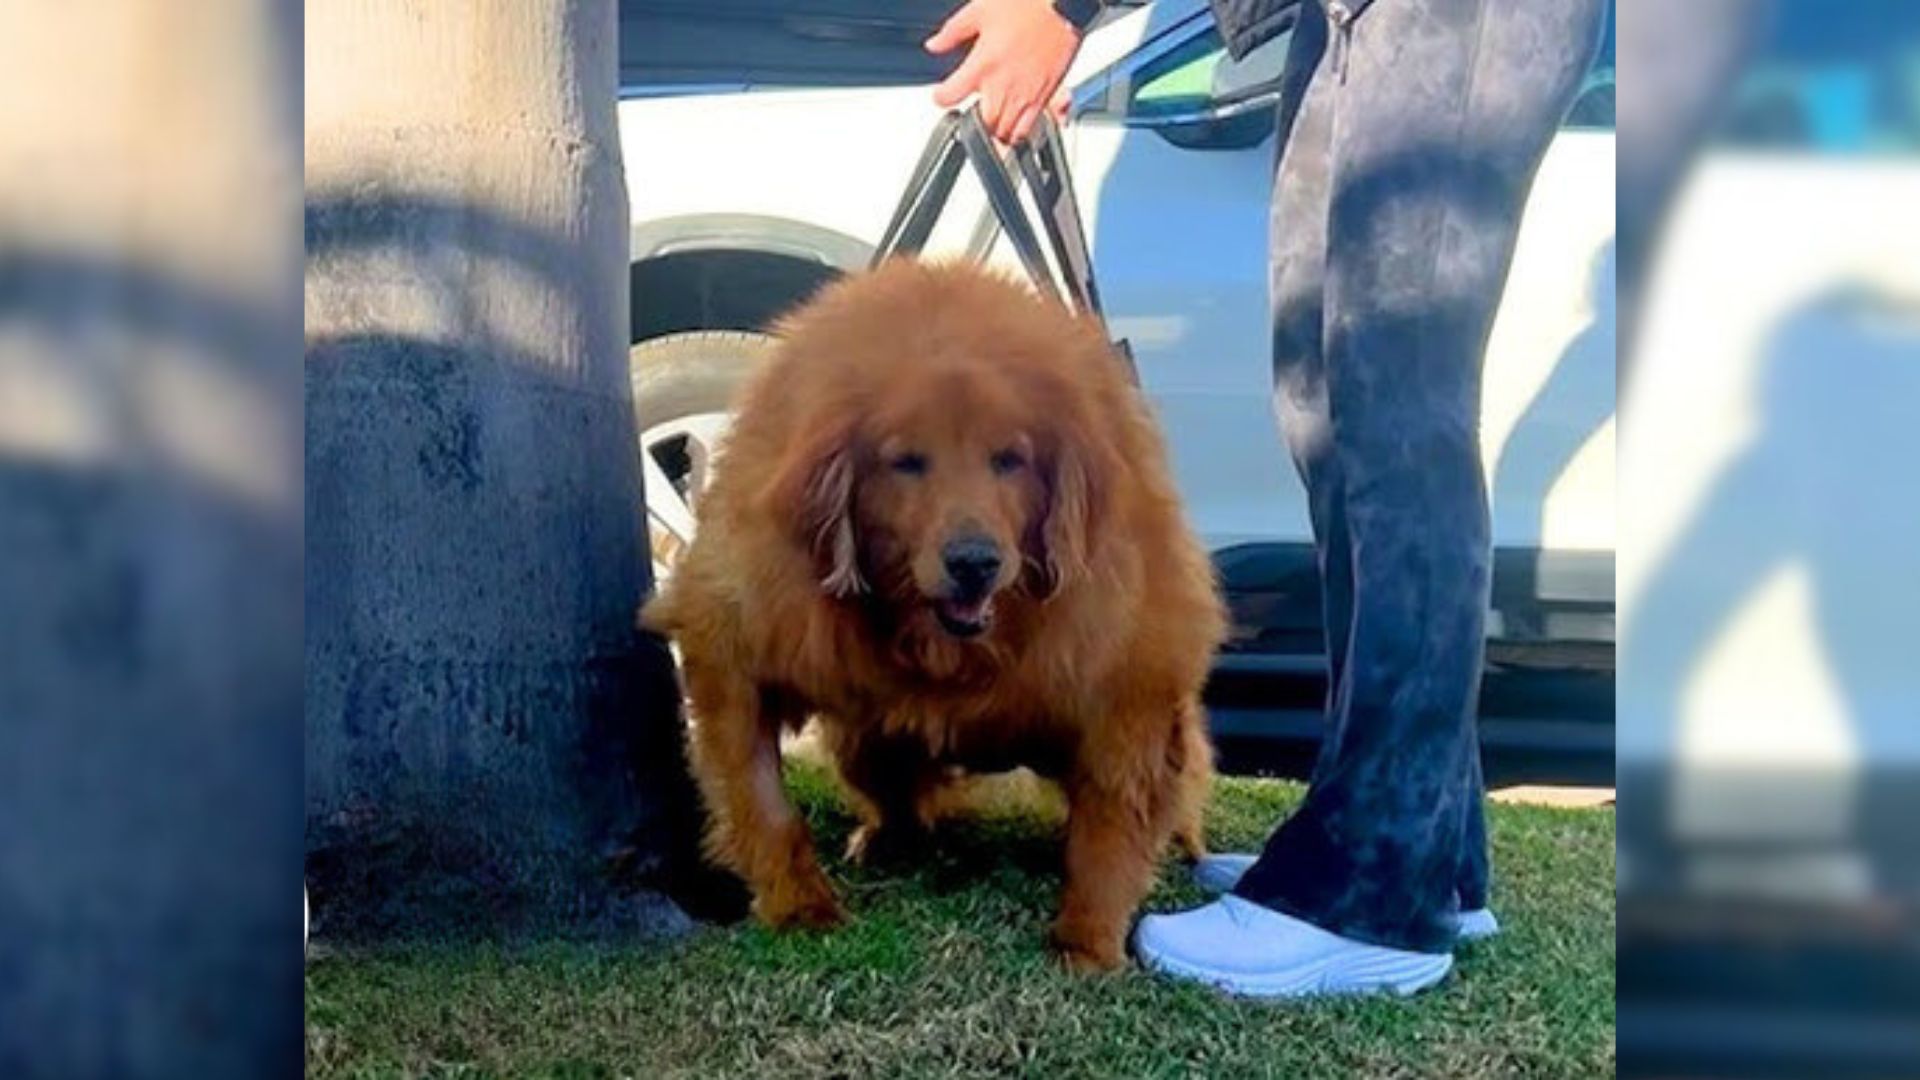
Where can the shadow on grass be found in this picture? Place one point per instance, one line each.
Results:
(1008, 842)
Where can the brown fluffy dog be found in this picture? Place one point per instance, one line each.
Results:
(944, 525)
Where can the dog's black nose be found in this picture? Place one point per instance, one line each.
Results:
(972, 564)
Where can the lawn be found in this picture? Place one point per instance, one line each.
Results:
(943, 973)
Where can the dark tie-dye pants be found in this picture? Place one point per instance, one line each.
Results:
(1409, 141)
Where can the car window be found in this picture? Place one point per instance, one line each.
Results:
(1593, 106)
(1832, 78)
(1198, 74)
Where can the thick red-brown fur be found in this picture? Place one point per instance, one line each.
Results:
(812, 587)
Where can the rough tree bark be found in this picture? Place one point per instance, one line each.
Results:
(476, 693)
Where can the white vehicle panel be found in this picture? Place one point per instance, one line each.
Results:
(1768, 601)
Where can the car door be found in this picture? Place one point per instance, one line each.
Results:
(1176, 215)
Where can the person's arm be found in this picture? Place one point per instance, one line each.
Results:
(1020, 53)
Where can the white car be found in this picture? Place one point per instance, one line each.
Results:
(745, 201)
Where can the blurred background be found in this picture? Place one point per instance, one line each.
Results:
(1768, 690)
(150, 538)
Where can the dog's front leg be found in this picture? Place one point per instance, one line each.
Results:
(1113, 842)
(754, 829)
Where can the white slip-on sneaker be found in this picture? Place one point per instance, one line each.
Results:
(1219, 873)
(1476, 925)
(1246, 949)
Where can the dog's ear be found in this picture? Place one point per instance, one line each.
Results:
(1077, 492)
(813, 490)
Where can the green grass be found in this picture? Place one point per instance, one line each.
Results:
(944, 973)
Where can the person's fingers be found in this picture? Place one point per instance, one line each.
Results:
(957, 30)
(964, 80)
(1022, 126)
(1062, 101)
(991, 104)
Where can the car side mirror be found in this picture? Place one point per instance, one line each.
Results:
(1236, 125)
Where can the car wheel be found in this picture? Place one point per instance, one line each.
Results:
(683, 387)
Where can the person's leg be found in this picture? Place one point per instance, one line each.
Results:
(1219, 873)
(1302, 197)
(1470, 883)
(1440, 115)
(1297, 282)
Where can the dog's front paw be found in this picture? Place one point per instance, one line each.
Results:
(824, 913)
(1084, 953)
(804, 904)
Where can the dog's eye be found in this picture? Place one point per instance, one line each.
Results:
(1008, 461)
(909, 464)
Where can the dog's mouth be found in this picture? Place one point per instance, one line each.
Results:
(964, 618)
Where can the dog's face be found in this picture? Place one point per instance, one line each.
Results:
(948, 449)
(947, 501)
(942, 493)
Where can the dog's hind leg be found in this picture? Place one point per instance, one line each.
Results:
(888, 777)
(735, 738)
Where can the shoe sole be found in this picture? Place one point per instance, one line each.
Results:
(1469, 926)
(1398, 974)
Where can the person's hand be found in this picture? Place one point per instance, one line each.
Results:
(1021, 50)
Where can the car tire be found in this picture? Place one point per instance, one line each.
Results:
(689, 373)
(683, 389)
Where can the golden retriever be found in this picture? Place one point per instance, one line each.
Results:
(943, 525)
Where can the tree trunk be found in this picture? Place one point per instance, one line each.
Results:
(476, 695)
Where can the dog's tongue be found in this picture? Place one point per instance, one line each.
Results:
(965, 618)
